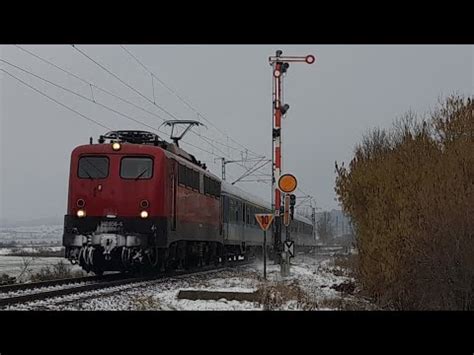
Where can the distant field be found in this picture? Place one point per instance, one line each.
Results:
(45, 235)
(40, 251)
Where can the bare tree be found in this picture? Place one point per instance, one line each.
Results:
(25, 267)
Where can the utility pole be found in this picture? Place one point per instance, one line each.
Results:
(280, 65)
(223, 166)
(224, 162)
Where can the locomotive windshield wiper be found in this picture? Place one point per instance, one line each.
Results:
(141, 174)
(87, 173)
(102, 174)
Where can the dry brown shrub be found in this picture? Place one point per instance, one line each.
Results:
(275, 295)
(348, 265)
(410, 194)
(60, 270)
(146, 303)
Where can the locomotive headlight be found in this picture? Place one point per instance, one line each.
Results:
(116, 146)
(81, 213)
(144, 214)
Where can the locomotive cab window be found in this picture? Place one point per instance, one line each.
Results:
(136, 168)
(93, 167)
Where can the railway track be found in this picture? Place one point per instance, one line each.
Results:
(51, 283)
(92, 283)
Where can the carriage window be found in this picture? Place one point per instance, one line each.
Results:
(136, 168)
(93, 167)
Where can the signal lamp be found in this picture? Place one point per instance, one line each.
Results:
(284, 109)
(310, 59)
(144, 214)
(116, 146)
(80, 203)
(292, 200)
(276, 73)
(81, 213)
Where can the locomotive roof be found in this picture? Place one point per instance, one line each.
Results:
(129, 148)
(147, 139)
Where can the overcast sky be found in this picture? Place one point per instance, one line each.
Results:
(333, 102)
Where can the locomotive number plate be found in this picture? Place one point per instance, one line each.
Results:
(109, 226)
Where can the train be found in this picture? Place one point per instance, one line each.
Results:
(138, 202)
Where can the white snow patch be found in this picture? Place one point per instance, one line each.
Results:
(312, 274)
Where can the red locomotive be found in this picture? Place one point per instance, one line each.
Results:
(138, 201)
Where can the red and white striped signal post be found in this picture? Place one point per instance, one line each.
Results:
(280, 65)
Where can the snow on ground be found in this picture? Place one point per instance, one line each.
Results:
(312, 275)
(29, 239)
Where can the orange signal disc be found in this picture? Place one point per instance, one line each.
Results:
(287, 183)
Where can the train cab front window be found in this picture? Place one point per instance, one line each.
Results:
(93, 167)
(136, 168)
